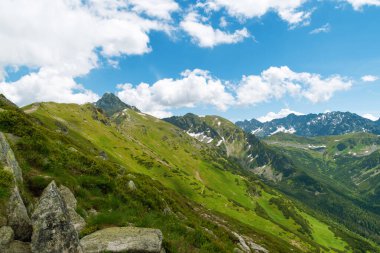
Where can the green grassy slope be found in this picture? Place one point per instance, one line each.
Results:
(341, 175)
(146, 145)
(190, 190)
(300, 165)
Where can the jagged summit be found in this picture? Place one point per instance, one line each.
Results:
(111, 104)
(330, 123)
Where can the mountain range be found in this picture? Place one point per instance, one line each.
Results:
(330, 123)
(204, 182)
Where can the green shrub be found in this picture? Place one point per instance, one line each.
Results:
(6, 181)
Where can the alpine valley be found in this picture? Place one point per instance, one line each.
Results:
(106, 177)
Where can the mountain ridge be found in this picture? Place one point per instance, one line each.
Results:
(309, 125)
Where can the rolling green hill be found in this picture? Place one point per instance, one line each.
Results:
(203, 196)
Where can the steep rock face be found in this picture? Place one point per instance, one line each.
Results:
(18, 217)
(71, 203)
(53, 231)
(8, 159)
(123, 239)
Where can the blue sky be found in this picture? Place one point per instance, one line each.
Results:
(304, 56)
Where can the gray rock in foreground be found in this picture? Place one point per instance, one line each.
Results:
(8, 159)
(53, 231)
(123, 239)
(18, 247)
(18, 217)
(71, 203)
(6, 236)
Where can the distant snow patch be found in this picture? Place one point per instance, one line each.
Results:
(257, 130)
(282, 129)
(202, 137)
(317, 147)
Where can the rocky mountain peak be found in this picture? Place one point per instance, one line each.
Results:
(111, 104)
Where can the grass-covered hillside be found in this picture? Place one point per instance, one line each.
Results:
(343, 177)
(199, 196)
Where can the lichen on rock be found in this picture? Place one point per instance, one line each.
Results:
(18, 217)
(123, 239)
(71, 203)
(8, 159)
(53, 231)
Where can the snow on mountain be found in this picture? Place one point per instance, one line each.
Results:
(330, 123)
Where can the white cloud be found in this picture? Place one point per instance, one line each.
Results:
(288, 10)
(206, 36)
(223, 22)
(370, 116)
(369, 78)
(160, 9)
(326, 28)
(46, 85)
(66, 37)
(196, 87)
(281, 114)
(276, 82)
(359, 4)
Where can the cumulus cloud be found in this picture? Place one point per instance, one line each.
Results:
(206, 36)
(194, 88)
(359, 4)
(161, 9)
(198, 87)
(370, 116)
(288, 10)
(46, 85)
(67, 37)
(326, 28)
(276, 82)
(281, 114)
(369, 78)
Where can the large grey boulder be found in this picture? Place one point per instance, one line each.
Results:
(53, 231)
(8, 245)
(123, 239)
(6, 236)
(18, 217)
(71, 203)
(7, 158)
(18, 247)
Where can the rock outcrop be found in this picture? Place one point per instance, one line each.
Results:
(8, 245)
(123, 239)
(18, 247)
(71, 203)
(18, 217)
(6, 237)
(53, 231)
(131, 185)
(8, 159)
